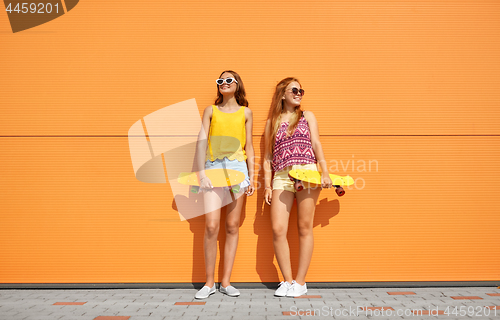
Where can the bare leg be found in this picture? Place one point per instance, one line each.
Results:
(306, 205)
(281, 205)
(232, 235)
(212, 224)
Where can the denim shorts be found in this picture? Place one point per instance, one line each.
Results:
(240, 166)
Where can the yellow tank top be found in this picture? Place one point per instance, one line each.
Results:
(227, 135)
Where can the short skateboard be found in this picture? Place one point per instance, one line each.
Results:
(218, 177)
(314, 177)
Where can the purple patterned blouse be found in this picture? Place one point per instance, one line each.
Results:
(296, 149)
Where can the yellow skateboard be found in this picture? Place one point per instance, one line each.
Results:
(314, 177)
(218, 177)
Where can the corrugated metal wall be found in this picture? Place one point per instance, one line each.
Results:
(407, 98)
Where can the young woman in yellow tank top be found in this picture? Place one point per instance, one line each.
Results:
(228, 127)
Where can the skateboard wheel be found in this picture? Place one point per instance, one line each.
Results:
(340, 191)
(195, 189)
(298, 185)
(235, 189)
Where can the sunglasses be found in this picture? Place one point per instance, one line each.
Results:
(296, 91)
(220, 82)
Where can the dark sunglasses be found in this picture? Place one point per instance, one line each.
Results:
(220, 82)
(296, 91)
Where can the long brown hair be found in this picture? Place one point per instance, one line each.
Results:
(240, 94)
(277, 109)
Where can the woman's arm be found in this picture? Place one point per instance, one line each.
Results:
(317, 148)
(249, 149)
(202, 144)
(268, 158)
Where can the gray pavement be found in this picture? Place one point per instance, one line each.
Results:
(160, 304)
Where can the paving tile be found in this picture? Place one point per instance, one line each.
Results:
(377, 308)
(428, 312)
(493, 308)
(307, 313)
(37, 317)
(161, 317)
(402, 293)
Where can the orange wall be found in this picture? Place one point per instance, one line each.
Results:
(411, 86)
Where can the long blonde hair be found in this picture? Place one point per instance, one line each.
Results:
(277, 109)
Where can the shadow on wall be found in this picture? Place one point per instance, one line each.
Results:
(192, 209)
(265, 267)
(197, 227)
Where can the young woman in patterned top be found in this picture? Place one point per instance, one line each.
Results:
(292, 142)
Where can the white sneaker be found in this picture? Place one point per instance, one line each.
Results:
(282, 289)
(205, 292)
(296, 290)
(230, 291)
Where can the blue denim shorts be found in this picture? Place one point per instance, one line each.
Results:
(240, 166)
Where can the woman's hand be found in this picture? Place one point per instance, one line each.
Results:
(250, 189)
(326, 182)
(205, 183)
(268, 195)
